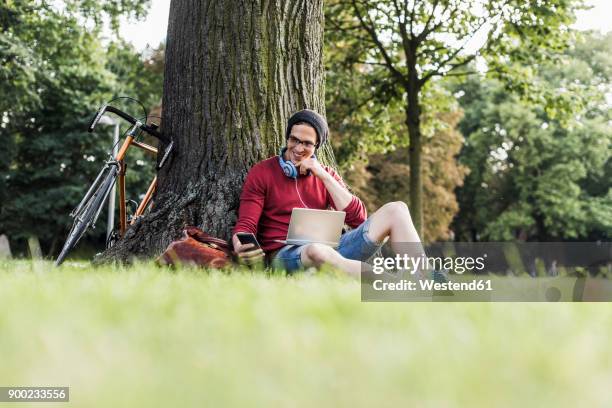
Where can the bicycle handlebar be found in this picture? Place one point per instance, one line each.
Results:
(108, 108)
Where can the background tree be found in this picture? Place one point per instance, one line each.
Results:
(234, 72)
(386, 176)
(54, 75)
(410, 42)
(536, 175)
(367, 134)
(139, 74)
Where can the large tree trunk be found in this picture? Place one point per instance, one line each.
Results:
(234, 72)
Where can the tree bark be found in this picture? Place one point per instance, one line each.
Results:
(235, 71)
(416, 183)
(413, 122)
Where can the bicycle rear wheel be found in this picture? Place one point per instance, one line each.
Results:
(87, 213)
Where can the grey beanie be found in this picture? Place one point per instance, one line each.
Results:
(312, 118)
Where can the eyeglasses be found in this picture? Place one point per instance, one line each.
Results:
(294, 141)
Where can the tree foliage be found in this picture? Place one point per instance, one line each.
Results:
(370, 148)
(55, 73)
(534, 175)
(406, 43)
(385, 177)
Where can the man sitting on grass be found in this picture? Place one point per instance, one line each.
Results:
(269, 195)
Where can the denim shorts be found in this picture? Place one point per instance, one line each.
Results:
(354, 244)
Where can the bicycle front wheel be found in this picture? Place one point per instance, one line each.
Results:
(88, 212)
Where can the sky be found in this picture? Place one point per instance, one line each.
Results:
(153, 29)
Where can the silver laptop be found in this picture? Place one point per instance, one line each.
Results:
(309, 226)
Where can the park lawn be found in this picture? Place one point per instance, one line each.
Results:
(147, 336)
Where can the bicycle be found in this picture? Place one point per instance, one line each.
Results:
(86, 213)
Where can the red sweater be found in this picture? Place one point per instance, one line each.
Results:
(268, 197)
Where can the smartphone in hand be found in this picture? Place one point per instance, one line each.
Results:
(248, 238)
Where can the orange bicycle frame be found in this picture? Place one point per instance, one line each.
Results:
(129, 141)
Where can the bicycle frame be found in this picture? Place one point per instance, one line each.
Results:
(129, 141)
(113, 173)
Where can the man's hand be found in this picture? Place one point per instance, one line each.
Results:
(314, 166)
(245, 252)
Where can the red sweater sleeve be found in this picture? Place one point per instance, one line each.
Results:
(251, 202)
(356, 212)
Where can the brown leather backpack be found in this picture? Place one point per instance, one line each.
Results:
(196, 248)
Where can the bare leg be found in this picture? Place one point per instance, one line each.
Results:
(318, 254)
(393, 220)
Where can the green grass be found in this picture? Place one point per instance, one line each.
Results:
(145, 336)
